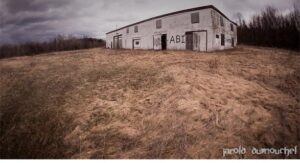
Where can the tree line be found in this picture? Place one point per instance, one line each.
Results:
(271, 29)
(60, 43)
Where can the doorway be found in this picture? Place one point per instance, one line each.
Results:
(199, 41)
(117, 42)
(164, 42)
(196, 40)
(136, 44)
(222, 40)
(189, 41)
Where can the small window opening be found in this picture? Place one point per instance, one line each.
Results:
(158, 24)
(222, 21)
(195, 18)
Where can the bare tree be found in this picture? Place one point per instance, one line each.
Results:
(238, 17)
(297, 14)
(270, 28)
(59, 43)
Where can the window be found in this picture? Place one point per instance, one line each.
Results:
(127, 30)
(222, 21)
(158, 24)
(231, 27)
(137, 43)
(195, 18)
(222, 39)
(136, 29)
(217, 36)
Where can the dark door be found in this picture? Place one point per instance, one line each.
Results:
(117, 42)
(164, 42)
(120, 45)
(222, 39)
(189, 41)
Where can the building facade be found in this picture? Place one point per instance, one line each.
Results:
(199, 29)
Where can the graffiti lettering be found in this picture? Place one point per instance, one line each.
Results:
(172, 39)
(177, 39)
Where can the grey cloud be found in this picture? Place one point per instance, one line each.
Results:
(39, 20)
(16, 6)
(31, 19)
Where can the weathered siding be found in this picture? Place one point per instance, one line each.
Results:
(175, 27)
(226, 30)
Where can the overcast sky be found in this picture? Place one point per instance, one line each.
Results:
(39, 20)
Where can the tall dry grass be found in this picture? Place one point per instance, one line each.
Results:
(33, 125)
(103, 103)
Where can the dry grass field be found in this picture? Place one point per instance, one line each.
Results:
(103, 103)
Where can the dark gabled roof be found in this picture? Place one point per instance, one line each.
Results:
(177, 12)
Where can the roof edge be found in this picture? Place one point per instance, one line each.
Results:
(176, 12)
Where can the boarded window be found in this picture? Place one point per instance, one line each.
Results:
(136, 29)
(158, 24)
(127, 30)
(195, 18)
(222, 21)
(222, 39)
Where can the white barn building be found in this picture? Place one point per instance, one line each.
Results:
(201, 29)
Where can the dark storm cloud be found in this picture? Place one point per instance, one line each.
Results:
(33, 20)
(16, 6)
(39, 20)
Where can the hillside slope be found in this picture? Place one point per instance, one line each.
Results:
(103, 103)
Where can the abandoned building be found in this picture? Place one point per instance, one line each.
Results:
(200, 29)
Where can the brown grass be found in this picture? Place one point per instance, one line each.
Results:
(144, 104)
